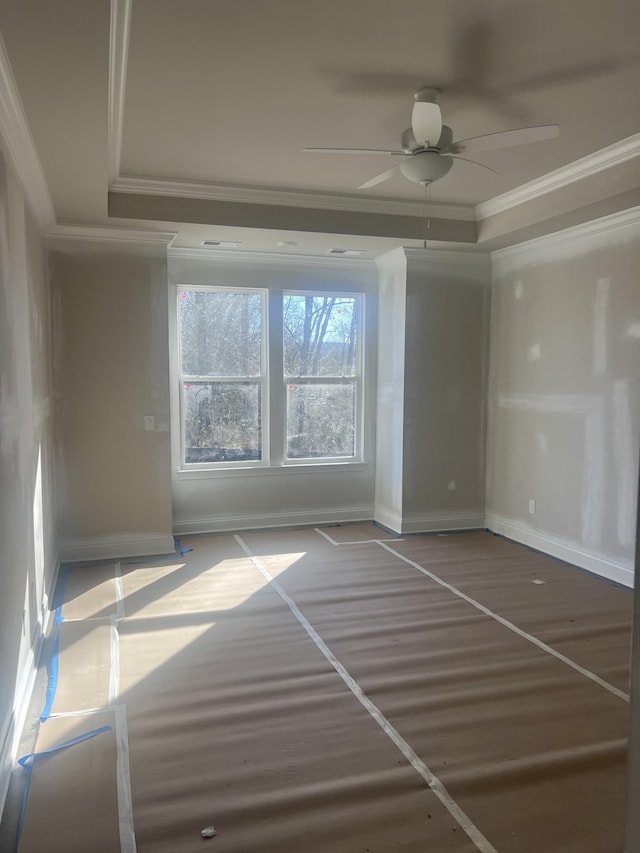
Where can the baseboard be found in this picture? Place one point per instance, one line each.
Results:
(116, 546)
(391, 520)
(433, 522)
(220, 524)
(618, 569)
(13, 727)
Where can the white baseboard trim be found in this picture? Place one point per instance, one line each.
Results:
(221, 524)
(616, 569)
(12, 728)
(432, 522)
(116, 546)
(391, 520)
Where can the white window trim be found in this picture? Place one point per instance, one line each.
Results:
(274, 461)
(263, 380)
(359, 379)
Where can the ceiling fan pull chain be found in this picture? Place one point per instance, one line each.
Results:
(427, 189)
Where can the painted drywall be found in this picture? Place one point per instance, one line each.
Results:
(392, 286)
(280, 495)
(434, 314)
(112, 369)
(564, 402)
(27, 501)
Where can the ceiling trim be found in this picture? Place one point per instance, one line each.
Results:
(289, 198)
(606, 158)
(105, 233)
(272, 258)
(20, 147)
(552, 247)
(120, 26)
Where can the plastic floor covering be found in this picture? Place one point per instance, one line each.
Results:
(335, 690)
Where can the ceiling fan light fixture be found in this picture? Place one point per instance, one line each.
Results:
(427, 167)
(426, 123)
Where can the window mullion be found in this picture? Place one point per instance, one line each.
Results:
(276, 404)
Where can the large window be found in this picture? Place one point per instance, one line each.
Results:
(322, 375)
(248, 399)
(222, 375)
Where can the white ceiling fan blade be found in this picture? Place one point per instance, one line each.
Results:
(474, 163)
(507, 138)
(383, 176)
(353, 151)
(426, 123)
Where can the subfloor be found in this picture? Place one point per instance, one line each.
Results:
(336, 690)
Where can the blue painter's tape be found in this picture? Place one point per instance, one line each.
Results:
(181, 549)
(53, 677)
(28, 761)
(54, 666)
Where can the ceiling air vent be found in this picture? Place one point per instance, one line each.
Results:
(222, 244)
(349, 252)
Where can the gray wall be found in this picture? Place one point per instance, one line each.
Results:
(565, 395)
(433, 339)
(112, 369)
(27, 513)
(280, 495)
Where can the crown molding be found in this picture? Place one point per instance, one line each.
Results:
(120, 26)
(288, 198)
(606, 158)
(20, 147)
(106, 234)
(576, 240)
(221, 256)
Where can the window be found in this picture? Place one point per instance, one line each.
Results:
(222, 374)
(321, 374)
(251, 400)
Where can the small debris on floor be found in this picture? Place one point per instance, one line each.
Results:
(537, 580)
(208, 832)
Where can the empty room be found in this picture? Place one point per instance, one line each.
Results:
(319, 426)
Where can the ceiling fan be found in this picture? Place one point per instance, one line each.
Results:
(428, 149)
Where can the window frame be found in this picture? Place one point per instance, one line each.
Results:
(274, 427)
(358, 380)
(262, 380)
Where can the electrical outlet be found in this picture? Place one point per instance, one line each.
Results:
(149, 422)
(532, 507)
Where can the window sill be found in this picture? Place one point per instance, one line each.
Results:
(294, 469)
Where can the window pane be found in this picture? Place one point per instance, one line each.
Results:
(220, 333)
(222, 421)
(320, 335)
(320, 420)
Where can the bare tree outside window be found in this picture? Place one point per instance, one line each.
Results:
(321, 356)
(224, 385)
(221, 374)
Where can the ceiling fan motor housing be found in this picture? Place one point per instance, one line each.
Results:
(426, 167)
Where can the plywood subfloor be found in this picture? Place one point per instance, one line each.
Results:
(315, 690)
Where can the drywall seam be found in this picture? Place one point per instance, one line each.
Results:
(510, 625)
(618, 570)
(405, 748)
(219, 524)
(118, 545)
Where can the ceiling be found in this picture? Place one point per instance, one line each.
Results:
(216, 100)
